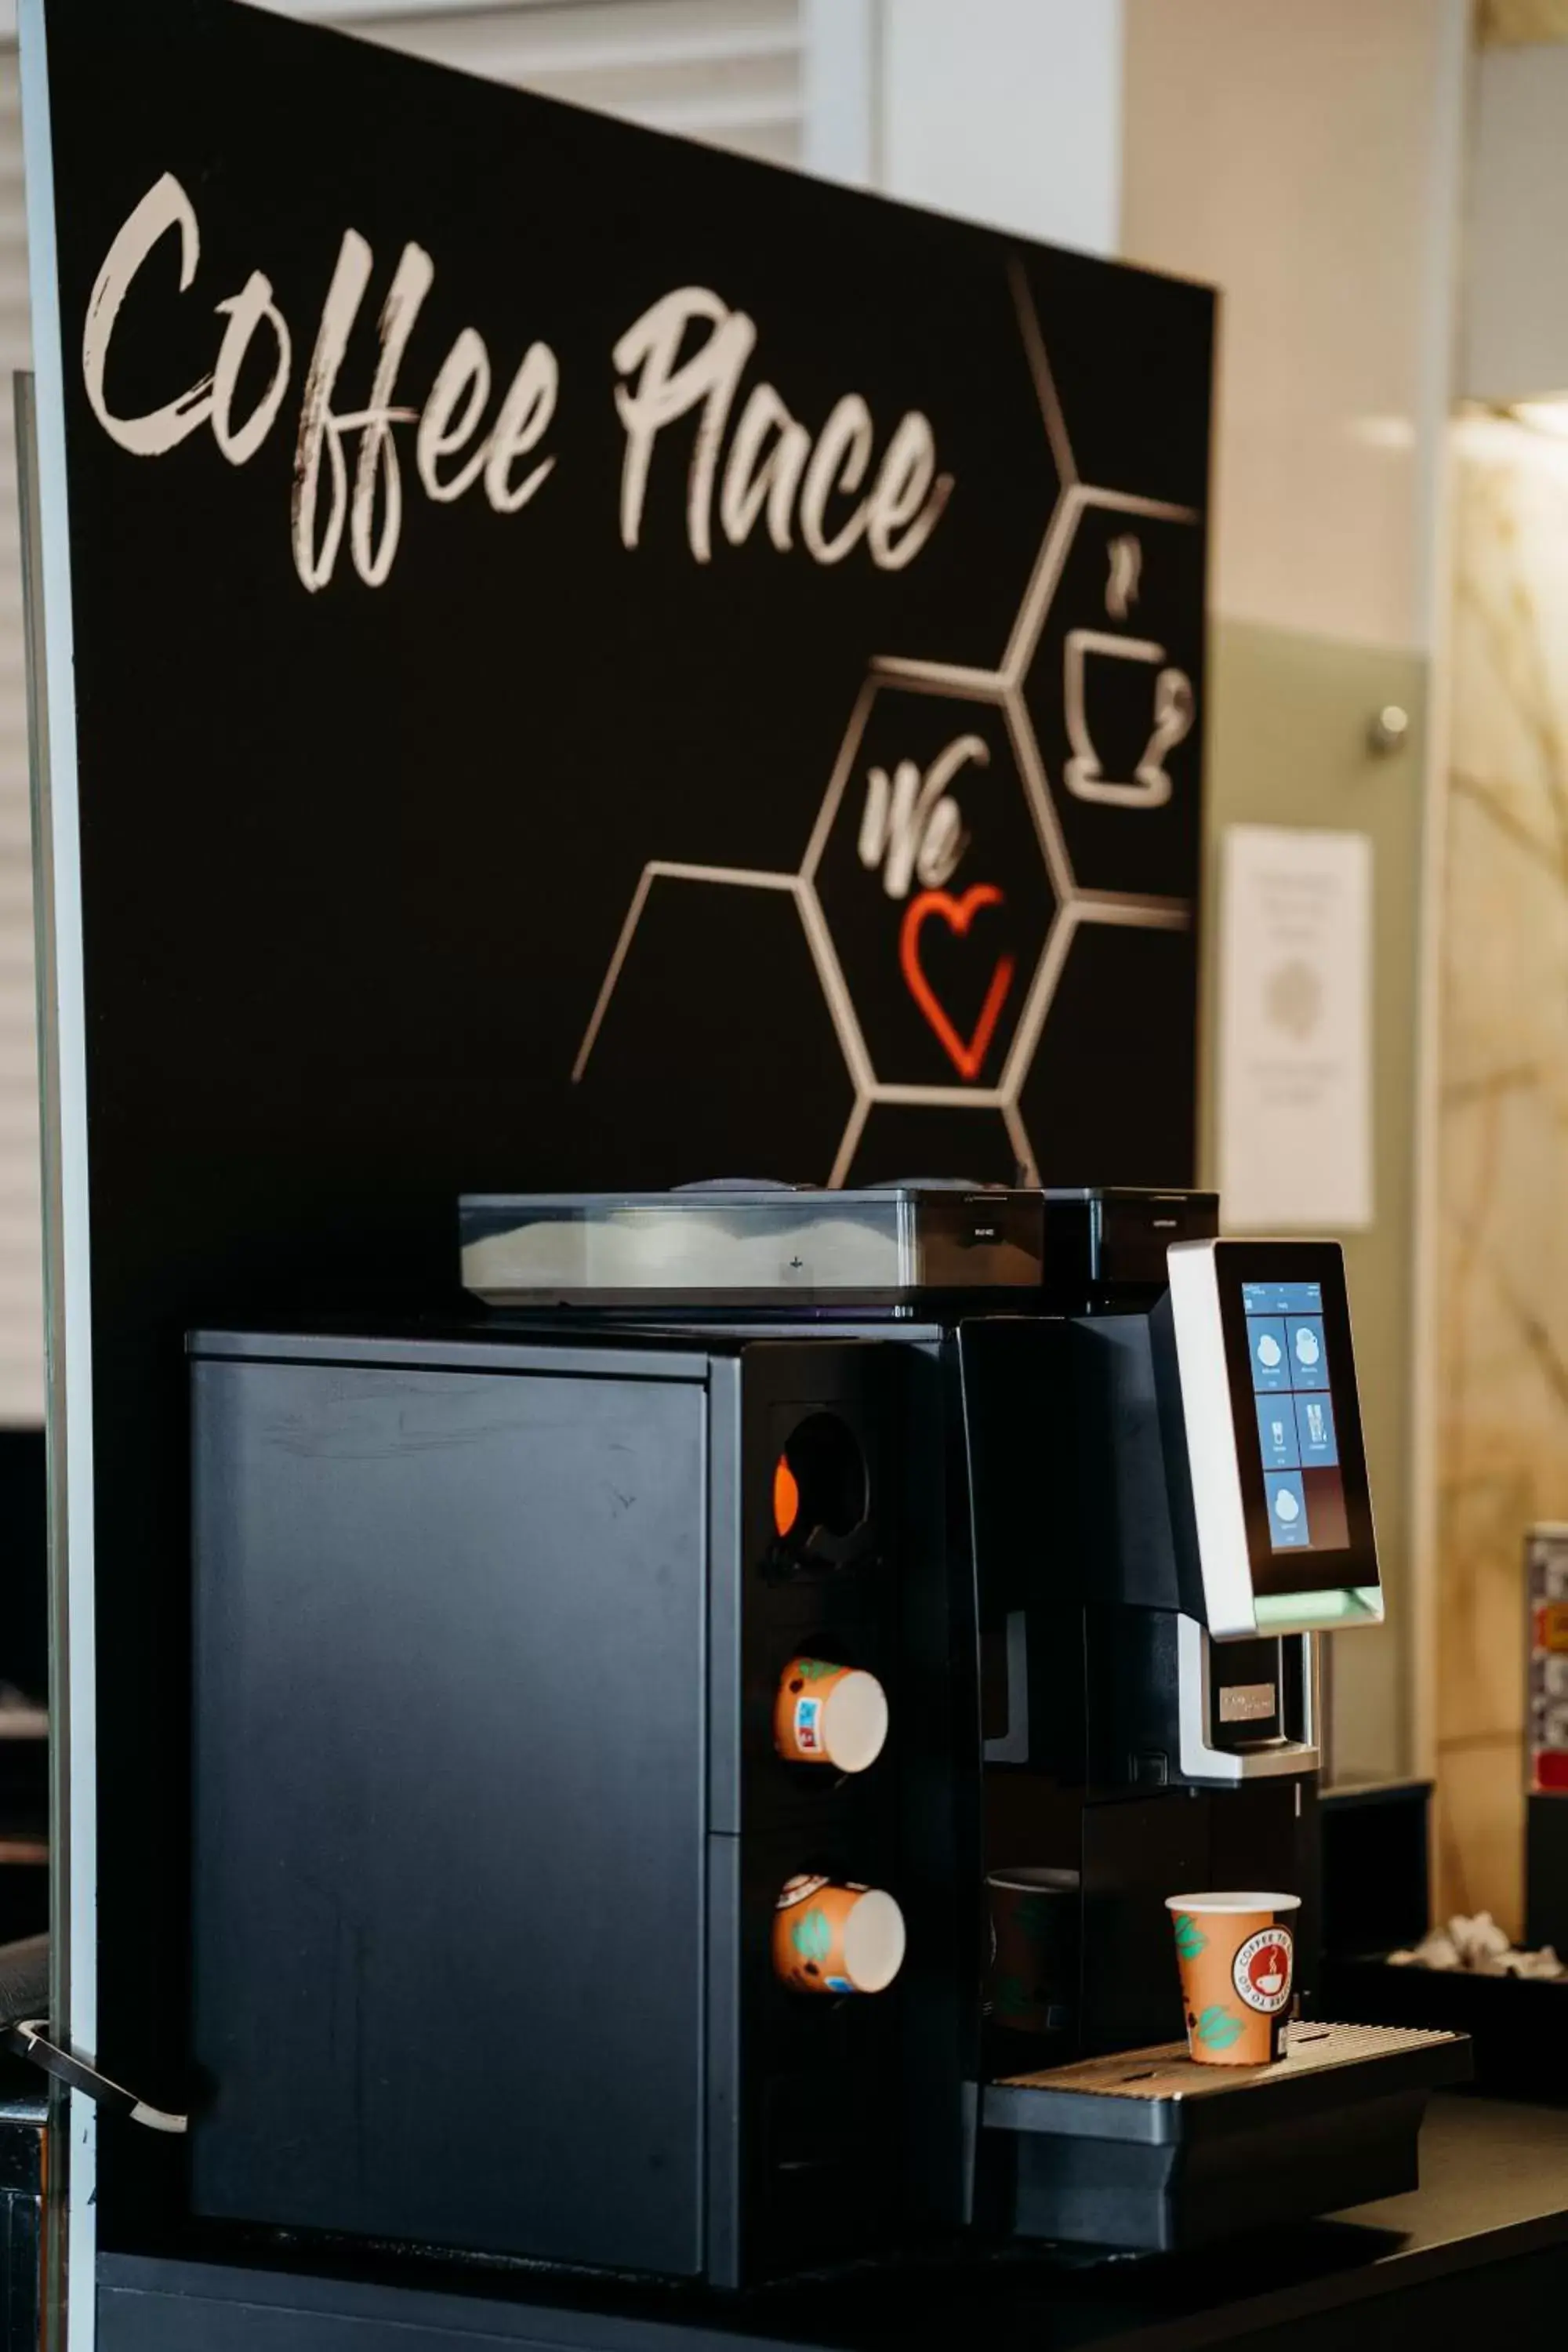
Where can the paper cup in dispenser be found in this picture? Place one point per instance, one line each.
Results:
(833, 1714)
(833, 1938)
(1236, 1954)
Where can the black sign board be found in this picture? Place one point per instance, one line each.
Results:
(597, 662)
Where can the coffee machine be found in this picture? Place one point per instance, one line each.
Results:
(522, 1855)
(1170, 1508)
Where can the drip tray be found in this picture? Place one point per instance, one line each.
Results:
(1146, 2149)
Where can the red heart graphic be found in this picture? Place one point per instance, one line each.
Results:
(957, 914)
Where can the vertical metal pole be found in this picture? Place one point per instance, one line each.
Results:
(72, 2311)
(54, 1409)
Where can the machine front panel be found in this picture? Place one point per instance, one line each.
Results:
(448, 1901)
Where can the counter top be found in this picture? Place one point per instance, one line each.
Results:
(1483, 2242)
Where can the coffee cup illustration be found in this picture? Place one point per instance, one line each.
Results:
(1236, 1955)
(827, 1714)
(1273, 1973)
(836, 1938)
(1173, 706)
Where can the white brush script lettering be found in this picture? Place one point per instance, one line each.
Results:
(348, 475)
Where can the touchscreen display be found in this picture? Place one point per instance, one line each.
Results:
(1273, 1426)
(1293, 1396)
(1294, 1410)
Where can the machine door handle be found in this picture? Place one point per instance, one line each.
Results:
(1012, 1746)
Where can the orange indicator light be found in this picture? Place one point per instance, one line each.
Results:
(786, 1496)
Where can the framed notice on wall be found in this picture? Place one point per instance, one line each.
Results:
(573, 661)
(1295, 1029)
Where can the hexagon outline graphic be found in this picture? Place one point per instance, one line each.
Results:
(835, 994)
(1002, 688)
(1061, 532)
(965, 684)
(910, 678)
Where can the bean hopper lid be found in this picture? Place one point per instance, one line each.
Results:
(748, 1244)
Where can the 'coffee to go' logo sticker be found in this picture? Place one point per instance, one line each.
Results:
(1261, 1971)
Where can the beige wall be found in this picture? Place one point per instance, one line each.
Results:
(1303, 158)
(1007, 111)
(1288, 745)
(1306, 161)
(1514, 338)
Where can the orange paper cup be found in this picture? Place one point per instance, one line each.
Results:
(829, 1715)
(836, 1939)
(1237, 1957)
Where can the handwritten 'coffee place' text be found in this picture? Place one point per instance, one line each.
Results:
(830, 491)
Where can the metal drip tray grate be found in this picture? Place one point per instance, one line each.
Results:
(1147, 2149)
(1166, 2072)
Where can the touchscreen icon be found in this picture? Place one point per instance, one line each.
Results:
(1308, 1362)
(1276, 1438)
(1288, 1529)
(1315, 1430)
(1267, 1346)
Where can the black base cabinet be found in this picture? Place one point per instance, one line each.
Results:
(23, 2122)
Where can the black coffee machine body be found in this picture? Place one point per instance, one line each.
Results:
(490, 1821)
(1149, 1617)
